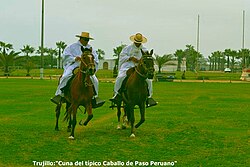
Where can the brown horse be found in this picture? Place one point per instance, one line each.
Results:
(136, 91)
(79, 92)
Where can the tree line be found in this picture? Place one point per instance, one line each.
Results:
(195, 61)
(28, 58)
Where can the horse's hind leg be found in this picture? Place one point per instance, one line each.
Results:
(142, 112)
(125, 121)
(70, 120)
(119, 115)
(58, 108)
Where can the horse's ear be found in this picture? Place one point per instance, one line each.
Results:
(86, 49)
(151, 52)
(82, 49)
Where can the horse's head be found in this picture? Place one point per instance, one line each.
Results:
(147, 63)
(87, 61)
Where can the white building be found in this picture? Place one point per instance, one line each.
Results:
(171, 66)
(109, 64)
(106, 64)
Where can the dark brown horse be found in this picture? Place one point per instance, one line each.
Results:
(79, 92)
(136, 91)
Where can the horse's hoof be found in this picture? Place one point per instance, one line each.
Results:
(71, 137)
(118, 127)
(56, 129)
(132, 135)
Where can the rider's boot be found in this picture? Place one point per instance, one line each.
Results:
(97, 102)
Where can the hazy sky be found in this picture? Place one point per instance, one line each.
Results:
(168, 24)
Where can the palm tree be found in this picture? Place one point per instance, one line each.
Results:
(117, 52)
(192, 57)
(227, 53)
(233, 62)
(244, 54)
(45, 50)
(161, 60)
(27, 49)
(211, 60)
(7, 56)
(179, 54)
(217, 57)
(233, 54)
(61, 46)
(51, 52)
(100, 53)
(38, 51)
(5, 47)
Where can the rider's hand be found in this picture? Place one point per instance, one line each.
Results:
(133, 59)
(77, 58)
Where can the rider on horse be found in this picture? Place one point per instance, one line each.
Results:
(71, 56)
(129, 57)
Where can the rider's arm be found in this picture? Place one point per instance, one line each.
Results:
(124, 56)
(68, 57)
(133, 59)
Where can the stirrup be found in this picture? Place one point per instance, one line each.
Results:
(151, 102)
(56, 99)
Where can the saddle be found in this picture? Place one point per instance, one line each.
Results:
(128, 73)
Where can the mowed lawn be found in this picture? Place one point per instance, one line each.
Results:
(194, 124)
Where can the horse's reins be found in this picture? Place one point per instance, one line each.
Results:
(138, 72)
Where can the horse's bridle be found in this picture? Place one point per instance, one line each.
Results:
(145, 76)
(139, 73)
(86, 71)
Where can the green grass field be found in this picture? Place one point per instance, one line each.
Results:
(195, 124)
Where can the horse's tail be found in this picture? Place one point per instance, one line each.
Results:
(67, 115)
(124, 98)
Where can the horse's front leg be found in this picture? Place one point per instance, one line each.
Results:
(142, 112)
(73, 109)
(69, 124)
(129, 109)
(90, 114)
(58, 108)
